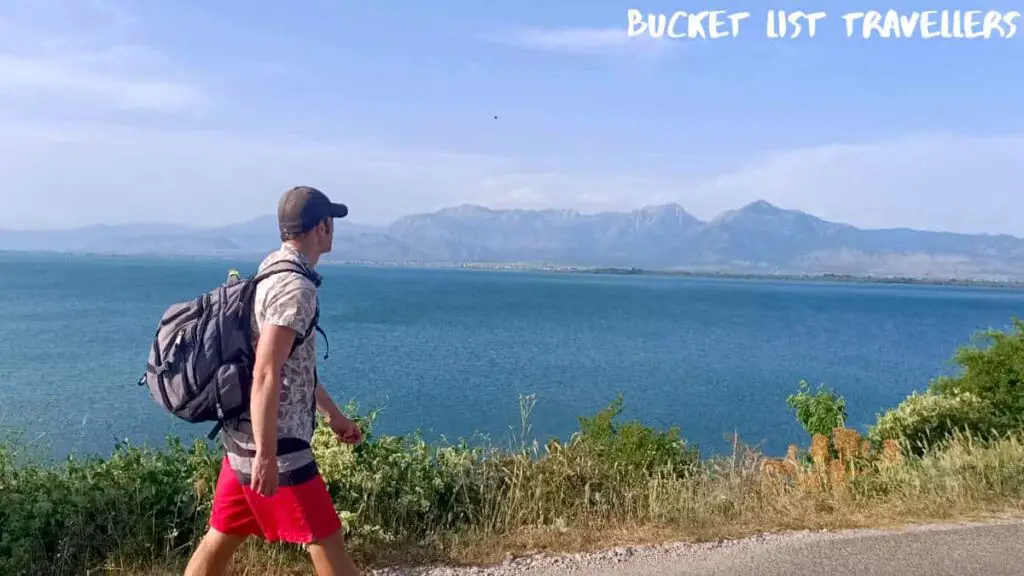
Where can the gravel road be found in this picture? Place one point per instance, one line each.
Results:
(989, 549)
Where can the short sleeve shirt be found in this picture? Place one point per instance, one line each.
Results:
(284, 299)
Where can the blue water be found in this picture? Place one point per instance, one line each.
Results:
(451, 351)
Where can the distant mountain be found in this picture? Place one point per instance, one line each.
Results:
(251, 237)
(647, 236)
(758, 237)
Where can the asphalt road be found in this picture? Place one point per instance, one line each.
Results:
(990, 549)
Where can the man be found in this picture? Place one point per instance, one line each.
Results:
(269, 484)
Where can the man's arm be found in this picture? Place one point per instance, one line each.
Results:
(272, 351)
(326, 405)
(289, 309)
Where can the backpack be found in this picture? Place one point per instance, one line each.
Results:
(201, 359)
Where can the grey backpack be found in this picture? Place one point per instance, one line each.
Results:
(201, 360)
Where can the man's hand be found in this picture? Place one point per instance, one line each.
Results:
(264, 475)
(344, 429)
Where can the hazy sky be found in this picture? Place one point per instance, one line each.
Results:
(205, 111)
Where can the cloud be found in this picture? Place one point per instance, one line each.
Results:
(100, 173)
(525, 189)
(581, 41)
(78, 58)
(939, 181)
(93, 80)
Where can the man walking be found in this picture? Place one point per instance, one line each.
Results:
(269, 484)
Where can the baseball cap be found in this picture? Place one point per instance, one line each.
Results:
(303, 207)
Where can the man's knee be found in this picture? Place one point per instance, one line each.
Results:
(213, 553)
(330, 556)
(221, 541)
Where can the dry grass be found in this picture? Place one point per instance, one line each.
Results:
(545, 509)
(748, 494)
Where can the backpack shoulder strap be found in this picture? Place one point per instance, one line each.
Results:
(289, 266)
(313, 325)
(285, 266)
(246, 297)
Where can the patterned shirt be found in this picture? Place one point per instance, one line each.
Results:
(284, 299)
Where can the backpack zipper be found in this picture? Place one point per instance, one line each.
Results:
(199, 328)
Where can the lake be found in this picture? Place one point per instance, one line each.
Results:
(450, 352)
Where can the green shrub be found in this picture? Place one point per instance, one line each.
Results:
(818, 413)
(633, 446)
(925, 419)
(136, 503)
(398, 487)
(994, 374)
(986, 399)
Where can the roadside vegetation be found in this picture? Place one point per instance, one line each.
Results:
(954, 450)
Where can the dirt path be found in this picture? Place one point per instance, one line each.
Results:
(988, 549)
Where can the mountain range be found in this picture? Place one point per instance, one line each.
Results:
(758, 237)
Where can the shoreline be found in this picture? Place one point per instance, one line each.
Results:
(731, 275)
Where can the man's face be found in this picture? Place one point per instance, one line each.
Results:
(326, 235)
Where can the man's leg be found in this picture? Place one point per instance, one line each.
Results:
(306, 513)
(330, 558)
(231, 521)
(213, 554)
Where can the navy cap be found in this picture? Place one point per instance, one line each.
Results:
(303, 207)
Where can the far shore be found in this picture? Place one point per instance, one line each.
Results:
(708, 274)
(698, 273)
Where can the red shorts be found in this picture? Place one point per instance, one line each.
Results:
(298, 514)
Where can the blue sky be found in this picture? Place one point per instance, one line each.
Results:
(204, 112)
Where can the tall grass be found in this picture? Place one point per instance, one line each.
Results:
(404, 500)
